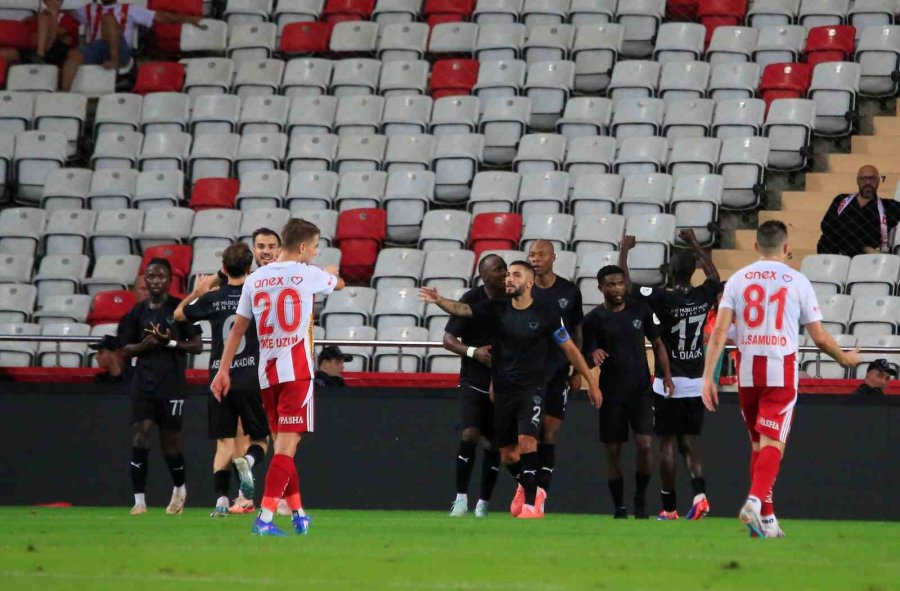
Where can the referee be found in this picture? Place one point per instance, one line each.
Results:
(614, 335)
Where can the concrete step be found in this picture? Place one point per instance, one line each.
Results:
(875, 144)
(804, 240)
(851, 163)
(797, 221)
(830, 182)
(810, 201)
(889, 125)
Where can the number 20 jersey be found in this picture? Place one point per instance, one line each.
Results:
(771, 301)
(280, 298)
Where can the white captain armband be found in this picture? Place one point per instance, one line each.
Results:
(470, 352)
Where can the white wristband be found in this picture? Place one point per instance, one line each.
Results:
(470, 352)
(171, 344)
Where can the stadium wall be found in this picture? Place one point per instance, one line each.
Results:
(381, 448)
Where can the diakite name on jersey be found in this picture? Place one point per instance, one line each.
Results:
(688, 355)
(279, 343)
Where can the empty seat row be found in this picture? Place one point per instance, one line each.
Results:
(865, 274)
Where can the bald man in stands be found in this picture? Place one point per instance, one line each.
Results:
(860, 223)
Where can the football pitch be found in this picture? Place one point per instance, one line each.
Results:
(105, 548)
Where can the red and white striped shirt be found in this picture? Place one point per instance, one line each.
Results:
(280, 297)
(771, 301)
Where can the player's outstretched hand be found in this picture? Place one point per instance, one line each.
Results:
(852, 358)
(628, 242)
(429, 295)
(220, 385)
(599, 356)
(669, 387)
(710, 395)
(204, 283)
(483, 355)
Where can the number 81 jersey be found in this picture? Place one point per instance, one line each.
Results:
(280, 298)
(771, 301)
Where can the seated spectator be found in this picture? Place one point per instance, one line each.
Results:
(331, 367)
(878, 376)
(53, 34)
(109, 28)
(110, 359)
(859, 223)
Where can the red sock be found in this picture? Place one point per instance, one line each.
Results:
(768, 505)
(754, 455)
(765, 472)
(277, 478)
(292, 492)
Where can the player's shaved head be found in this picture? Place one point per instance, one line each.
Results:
(492, 271)
(771, 237)
(867, 180)
(543, 245)
(541, 256)
(491, 261)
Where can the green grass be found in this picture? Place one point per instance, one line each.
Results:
(90, 548)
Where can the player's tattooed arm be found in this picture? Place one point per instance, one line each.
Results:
(430, 295)
(706, 262)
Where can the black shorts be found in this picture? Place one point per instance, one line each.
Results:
(557, 394)
(517, 412)
(616, 416)
(678, 416)
(245, 404)
(56, 55)
(166, 413)
(476, 411)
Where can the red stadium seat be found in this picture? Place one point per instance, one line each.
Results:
(453, 77)
(159, 77)
(784, 81)
(179, 257)
(194, 7)
(15, 35)
(721, 13)
(336, 11)
(110, 306)
(682, 10)
(830, 44)
(306, 37)
(214, 194)
(2, 73)
(360, 234)
(167, 37)
(461, 9)
(439, 19)
(501, 230)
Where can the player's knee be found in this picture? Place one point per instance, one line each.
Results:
(75, 57)
(684, 445)
(140, 434)
(527, 444)
(471, 435)
(509, 455)
(171, 442)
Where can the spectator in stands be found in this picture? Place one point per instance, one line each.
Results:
(140, 289)
(110, 359)
(859, 223)
(878, 376)
(53, 34)
(109, 29)
(331, 367)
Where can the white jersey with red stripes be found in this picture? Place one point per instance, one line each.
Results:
(771, 301)
(280, 298)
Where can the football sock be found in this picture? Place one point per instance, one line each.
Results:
(176, 468)
(668, 500)
(139, 499)
(222, 502)
(277, 478)
(221, 482)
(617, 490)
(255, 455)
(292, 491)
(698, 486)
(465, 462)
(641, 481)
(490, 469)
(547, 455)
(768, 505)
(139, 457)
(515, 470)
(754, 455)
(530, 464)
(765, 471)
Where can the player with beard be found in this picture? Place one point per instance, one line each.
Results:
(266, 246)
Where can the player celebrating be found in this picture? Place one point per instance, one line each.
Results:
(158, 348)
(471, 341)
(280, 298)
(678, 418)
(244, 403)
(266, 246)
(552, 290)
(767, 301)
(614, 336)
(521, 328)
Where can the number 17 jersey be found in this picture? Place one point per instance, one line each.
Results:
(771, 301)
(280, 297)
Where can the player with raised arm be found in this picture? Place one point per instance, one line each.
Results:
(521, 329)
(678, 417)
(280, 298)
(768, 302)
(471, 341)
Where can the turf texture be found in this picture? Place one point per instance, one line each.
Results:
(105, 548)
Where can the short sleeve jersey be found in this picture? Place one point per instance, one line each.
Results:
(280, 298)
(519, 343)
(771, 301)
(474, 334)
(565, 297)
(625, 373)
(160, 371)
(682, 316)
(219, 308)
(133, 16)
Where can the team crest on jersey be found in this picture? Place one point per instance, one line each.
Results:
(170, 319)
(637, 324)
(563, 303)
(537, 400)
(533, 325)
(646, 291)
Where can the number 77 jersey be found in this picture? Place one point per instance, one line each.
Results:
(771, 301)
(280, 298)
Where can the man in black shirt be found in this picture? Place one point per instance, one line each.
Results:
(471, 341)
(878, 377)
(614, 335)
(860, 223)
(520, 329)
(157, 346)
(218, 306)
(331, 366)
(110, 360)
(554, 291)
(678, 416)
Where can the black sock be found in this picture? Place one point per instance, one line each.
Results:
(490, 469)
(465, 462)
(515, 470)
(139, 461)
(668, 500)
(698, 485)
(530, 467)
(256, 452)
(640, 487)
(176, 468)
(547, 455)
(221, 482)
(617, 490)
